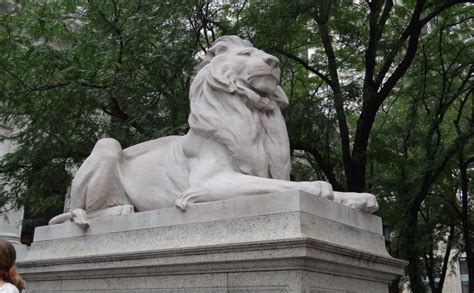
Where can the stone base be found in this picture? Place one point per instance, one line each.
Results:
(285, 242)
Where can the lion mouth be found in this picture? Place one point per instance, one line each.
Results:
(275, 74)
(264, 82)
(263, 85)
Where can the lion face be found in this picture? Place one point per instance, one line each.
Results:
(253, 69)
(237, 67)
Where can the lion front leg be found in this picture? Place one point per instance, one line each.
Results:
(231, 185)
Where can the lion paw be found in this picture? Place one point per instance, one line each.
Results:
(319, 188)
(364, 202)
(186, 199)
(181, 203)
(326, 190)
(77, 216)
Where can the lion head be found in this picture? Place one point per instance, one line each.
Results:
(236, 99)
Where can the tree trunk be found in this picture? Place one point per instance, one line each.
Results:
(394, 286)
(437, 287)
(412, 253)
(356, 176)
(466, 229)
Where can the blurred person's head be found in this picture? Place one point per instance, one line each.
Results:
(7, 264)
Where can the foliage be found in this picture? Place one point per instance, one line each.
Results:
(72, 74)
(415, 149)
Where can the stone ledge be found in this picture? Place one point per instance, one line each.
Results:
(281, 226)
(268, 204)
(304, 253)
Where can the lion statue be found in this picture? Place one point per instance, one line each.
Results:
(237, 145)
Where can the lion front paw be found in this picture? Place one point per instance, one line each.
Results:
(326, 190)
(364, 202)
(319, 188)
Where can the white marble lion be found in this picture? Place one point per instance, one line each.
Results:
(237, 146)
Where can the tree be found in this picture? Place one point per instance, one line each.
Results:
(329, 27)
(421, 166)
(71, 74)
(466, 214)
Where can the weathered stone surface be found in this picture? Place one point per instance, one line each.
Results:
(284, 242)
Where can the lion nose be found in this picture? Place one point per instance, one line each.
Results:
(272, 61)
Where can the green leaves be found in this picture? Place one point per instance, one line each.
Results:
(73, 73)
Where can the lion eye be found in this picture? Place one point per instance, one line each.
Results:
(244, 53)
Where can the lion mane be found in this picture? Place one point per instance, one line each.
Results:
(249, 125)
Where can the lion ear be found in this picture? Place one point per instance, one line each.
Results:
(212, 52)
(217, 49)
(281, 98)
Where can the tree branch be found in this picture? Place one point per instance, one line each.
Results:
(325, 167)
(440, 9)
(116, 111)
(444, 268)
(306, 66)
(338, 95)
(413, 26)
(371, 50)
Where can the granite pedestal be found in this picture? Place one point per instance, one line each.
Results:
(284, 242)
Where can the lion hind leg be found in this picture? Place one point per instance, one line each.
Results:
(97, 184)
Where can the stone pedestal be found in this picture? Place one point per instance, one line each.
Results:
(285, 242)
